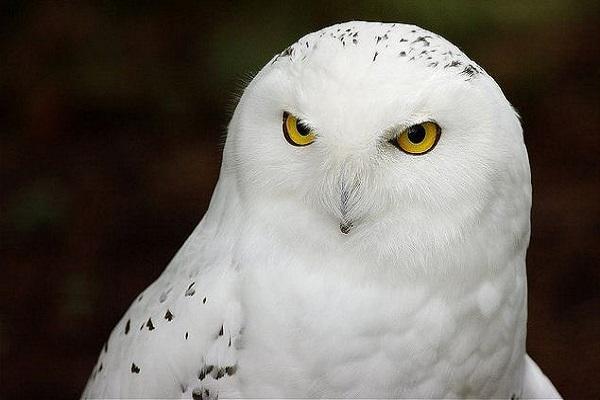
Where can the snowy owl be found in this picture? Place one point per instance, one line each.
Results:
(366, 238)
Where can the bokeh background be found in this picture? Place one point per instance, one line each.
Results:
(112, 116)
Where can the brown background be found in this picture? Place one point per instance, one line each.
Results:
(111, 117)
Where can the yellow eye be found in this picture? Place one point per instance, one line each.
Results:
(295, 132)
(419, 138)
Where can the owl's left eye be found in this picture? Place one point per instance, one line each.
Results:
(418, 139)
(296, 132)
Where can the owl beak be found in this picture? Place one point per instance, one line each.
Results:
(345, 227)
(345, 223)
(346, 205)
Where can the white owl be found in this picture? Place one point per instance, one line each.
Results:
(366, 238)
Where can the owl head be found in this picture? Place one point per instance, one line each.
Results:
(380, 142)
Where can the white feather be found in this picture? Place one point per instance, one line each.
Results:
(536, 385)
(424, 297)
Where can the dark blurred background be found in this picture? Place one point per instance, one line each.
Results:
(112, 116)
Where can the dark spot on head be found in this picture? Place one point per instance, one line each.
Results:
(100, 367)
(150, 325)
(221, 331)
(169, 316)
(402, 54)
(106, 346)
(204, 300)
(219, 374)
(375, 56)
(422, 39)
(470, 71)
(231, 370)
(127, 326)
(229, 344)
(190, 290)
(403, 40)
(135, 369)
(202, 374)
(186, 336)
(197, 394)
(354, 41)
(140, 297)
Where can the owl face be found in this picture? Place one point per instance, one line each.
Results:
(377, 136)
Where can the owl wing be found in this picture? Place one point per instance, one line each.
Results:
(178, 338)
(536, 385)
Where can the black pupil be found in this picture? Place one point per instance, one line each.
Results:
(416, 134)
(302, 129)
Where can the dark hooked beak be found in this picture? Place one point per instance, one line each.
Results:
(345, 223)
(345, 227)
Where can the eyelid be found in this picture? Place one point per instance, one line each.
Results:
(303, 122)
(299, 118)
(393, 132)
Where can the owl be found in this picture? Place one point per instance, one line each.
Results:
(366, 238)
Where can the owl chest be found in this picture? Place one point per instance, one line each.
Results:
(349, 342)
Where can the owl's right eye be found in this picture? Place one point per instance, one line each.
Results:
(296, 132)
